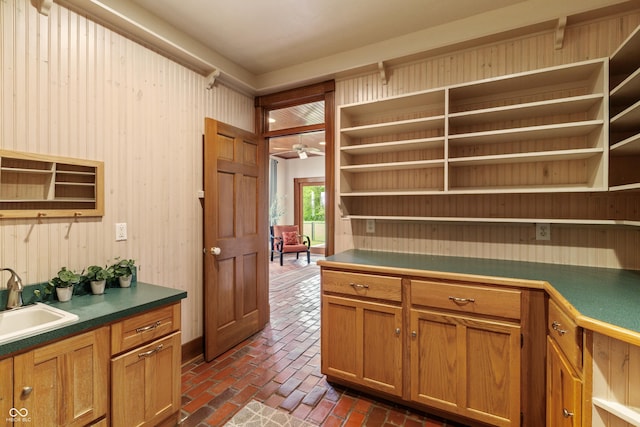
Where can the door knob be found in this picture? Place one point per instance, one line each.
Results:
(214, 251)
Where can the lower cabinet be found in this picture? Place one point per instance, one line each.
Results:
(564, 390)
(64, 383)
(564, 369)
(146, 383)
(362, 343)
(451, 346)
(466, 366)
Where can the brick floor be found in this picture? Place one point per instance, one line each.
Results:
(280, 367)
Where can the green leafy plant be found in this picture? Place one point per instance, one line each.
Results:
(65, 278)
(96, 272)
(123, 267)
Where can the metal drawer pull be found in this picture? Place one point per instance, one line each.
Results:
(398, 331)
(566, 413)
(462, 300)
(26, 391)
(358, 286)
(414, 334)
(148, 328)
(556, 327)
(150, 352)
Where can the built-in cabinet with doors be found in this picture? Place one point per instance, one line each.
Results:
(64, 383)
(565, 376)
(123, 374)
(439, 344)
(465, 350)
(362, 329)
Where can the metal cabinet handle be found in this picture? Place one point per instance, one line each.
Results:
(398, 331)
(150, 352)
(148, 328)
(358, 286)
(26, 391)
(462, 300)
(566, 413)
(414, 334)
(556, 327)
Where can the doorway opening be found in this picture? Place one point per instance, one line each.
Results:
(309, 206)
(298, 128)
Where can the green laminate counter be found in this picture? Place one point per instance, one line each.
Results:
(98, 310)
(605, 300)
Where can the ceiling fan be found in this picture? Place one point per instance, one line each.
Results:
(302, 150)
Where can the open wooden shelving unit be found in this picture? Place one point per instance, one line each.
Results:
(543, 131)
(625, 114)
(41, 186)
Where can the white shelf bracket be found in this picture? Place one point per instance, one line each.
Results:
(560, 30)
(211, 79)
(383, 72)
(43, 6)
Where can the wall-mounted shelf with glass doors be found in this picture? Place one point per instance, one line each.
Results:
(42, 186)
(624, 68)
(542, 131)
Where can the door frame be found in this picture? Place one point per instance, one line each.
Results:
(298, 184)
(316, 92)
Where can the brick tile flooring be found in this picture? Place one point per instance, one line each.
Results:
(280, 367)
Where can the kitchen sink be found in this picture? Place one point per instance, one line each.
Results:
(32, 319)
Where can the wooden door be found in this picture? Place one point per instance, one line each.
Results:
(564, 390)
(146, 383)
(235, 237)
(64, 384)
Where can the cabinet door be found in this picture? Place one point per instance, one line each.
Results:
(564, 390)
(64, 383)
(466, 366)
(6, 391)
(361, 343)
(146, 383)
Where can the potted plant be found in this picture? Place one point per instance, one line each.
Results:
(98, 277)
(64, 283)
(123, 270)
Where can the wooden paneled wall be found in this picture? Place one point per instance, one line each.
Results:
(616, 367)
(606, 246)
(73, 88)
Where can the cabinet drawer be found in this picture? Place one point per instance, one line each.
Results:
(487, 300)
(364, 285)
(566, 333)
(140, 329)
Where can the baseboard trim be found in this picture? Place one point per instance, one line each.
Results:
(192, 350)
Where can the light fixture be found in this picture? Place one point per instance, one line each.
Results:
(302, 154)
(322, 143)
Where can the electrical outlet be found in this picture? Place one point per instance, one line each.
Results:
(121, 231)
(371, 226)
(543, 231)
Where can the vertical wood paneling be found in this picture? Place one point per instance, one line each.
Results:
(70, 87)
(580, 245)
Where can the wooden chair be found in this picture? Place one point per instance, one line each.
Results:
(286, 239)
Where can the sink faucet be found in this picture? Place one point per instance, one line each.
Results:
(14, 286)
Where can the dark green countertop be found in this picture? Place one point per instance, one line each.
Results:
(97, 310)
(600, 295)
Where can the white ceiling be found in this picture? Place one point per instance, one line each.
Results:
(263, 46)
(264, 36)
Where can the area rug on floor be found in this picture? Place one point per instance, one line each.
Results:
(256, 414)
